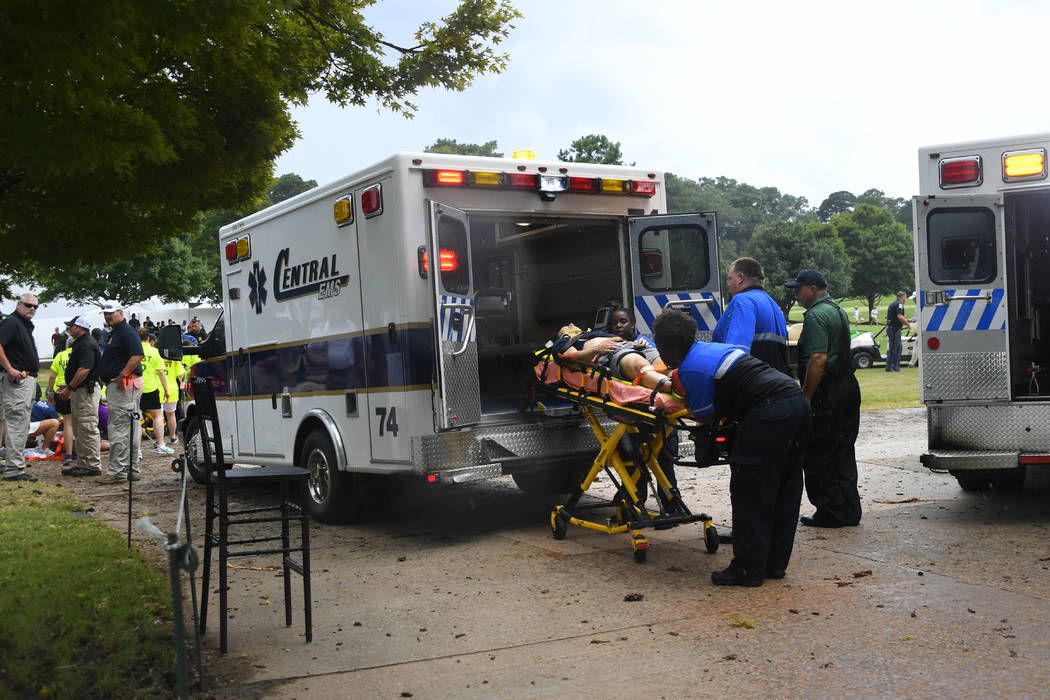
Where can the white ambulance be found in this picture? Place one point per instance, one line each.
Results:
(982, 233)
(386, 323)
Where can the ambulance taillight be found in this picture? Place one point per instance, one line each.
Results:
(961, 172)
(448, 260)
(444, 178)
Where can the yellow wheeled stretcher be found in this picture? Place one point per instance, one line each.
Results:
(635, 456)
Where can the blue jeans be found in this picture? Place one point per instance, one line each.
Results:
(893, 352)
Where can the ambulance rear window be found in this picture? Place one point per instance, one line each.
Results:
(962, 245)
(674, 257)
(452, 258)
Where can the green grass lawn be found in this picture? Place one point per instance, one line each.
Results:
(880, 389)
(795, 316)
(83, 616)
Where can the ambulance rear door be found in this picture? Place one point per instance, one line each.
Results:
(674, 259)
(962, 276)
(457, 398)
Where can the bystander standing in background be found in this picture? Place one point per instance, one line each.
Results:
(65, 411)
(895, 318)
(154, 386)
(121, 371)
(81, 389)
(20, 363)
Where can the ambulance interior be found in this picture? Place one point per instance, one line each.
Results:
(1027, 219)
(533, 275)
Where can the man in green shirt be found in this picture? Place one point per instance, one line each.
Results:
(826, 373)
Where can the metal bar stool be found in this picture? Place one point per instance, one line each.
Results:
(221, 479)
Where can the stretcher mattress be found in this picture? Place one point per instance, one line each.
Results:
(596, 382)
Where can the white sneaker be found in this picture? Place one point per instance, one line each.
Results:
(139, 457)
(173, 441)
(164, 450)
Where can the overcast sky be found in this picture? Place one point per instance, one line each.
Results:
(808, 97)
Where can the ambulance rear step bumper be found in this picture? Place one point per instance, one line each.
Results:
(962, 460)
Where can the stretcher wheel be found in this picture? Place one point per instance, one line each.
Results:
(559, 526)
(639, 555)
(711, 538)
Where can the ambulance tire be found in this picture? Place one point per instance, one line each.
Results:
(332, 496)
(191, 439)
(971, 482)
(562, 478)
(998, 479)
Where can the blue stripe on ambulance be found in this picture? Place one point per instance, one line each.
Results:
(706, 315)
(976, 313)
(448, 331)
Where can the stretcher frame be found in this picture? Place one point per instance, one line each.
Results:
(631, 455)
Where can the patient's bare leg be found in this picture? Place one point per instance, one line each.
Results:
(633, 365)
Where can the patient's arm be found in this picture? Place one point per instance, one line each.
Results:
(593, 348)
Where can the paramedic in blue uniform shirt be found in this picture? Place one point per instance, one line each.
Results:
(752, 321)
(895, 318)
(826, 373)
(120, 369)
(723, 382)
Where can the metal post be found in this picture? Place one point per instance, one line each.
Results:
(131, 465)
(174, 568)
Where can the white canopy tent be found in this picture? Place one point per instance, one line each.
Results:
(157, 312)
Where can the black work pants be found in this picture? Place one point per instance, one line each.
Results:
(830, 464)
(766, 483)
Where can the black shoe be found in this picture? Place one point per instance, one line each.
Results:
(21, 477)
(819, 520)
(730, 576)
(775, 573)
(81, 471)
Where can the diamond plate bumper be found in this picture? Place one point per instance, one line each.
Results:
(962, 460)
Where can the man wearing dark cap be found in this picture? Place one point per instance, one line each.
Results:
(80, 388)
(826, 372)
(121, 371)
(20, 364)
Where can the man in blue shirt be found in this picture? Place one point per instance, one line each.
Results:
(722, 382)
(752, 321)
(120, 369)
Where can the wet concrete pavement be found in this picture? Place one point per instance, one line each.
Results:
(462, 592)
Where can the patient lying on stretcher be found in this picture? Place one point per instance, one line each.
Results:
(635, 360)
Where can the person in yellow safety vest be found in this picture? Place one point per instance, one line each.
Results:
(154, 383)
(65, 410)
(173, 370)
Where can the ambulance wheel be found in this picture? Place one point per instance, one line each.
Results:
(711, 538)
(191, 439)
(332, 496)
(559, 526)
(1009, 479)
(559, 479)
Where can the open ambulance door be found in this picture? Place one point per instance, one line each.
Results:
(961, 273)
(674, 259)
(457, 395)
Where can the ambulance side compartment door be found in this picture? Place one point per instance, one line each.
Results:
(240, 375)
(961, 275)
(674, 262)
(457, 396)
